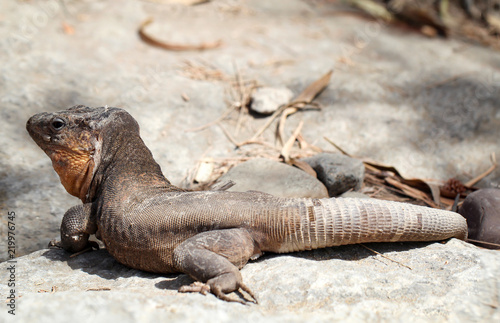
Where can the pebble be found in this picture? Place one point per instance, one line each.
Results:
(338, 172)
(266, 100)
(482, 211)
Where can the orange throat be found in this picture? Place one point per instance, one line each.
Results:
(75, 170)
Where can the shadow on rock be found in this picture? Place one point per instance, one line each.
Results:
(175, 283)
(99, 263)
(102, 264)
(355, 252)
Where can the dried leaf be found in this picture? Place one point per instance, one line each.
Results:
(281, 123)
(337, 147)
(304, 166)
(314, 89)
(486, 173)
(304, 98)
(170, 46)
(412, 192)
(413, 187)
(435, 191)
(422, 185)
(285, 151)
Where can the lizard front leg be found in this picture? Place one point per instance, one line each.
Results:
(76, 227)
(214, 258)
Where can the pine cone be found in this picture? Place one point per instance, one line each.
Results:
(452, 188)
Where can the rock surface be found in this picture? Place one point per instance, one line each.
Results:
(275, 178)
(357, 195)
(266, 100)
(454, 281)
(431, 115)
(482, 211)
(338, 172)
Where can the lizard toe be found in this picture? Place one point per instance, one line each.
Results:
(55, 244)
(247, 290)
(196, 287)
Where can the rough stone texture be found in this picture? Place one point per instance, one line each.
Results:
(275, 178)
(427, 106)
(266, 100)
(357, 195)
(454, 282)
(338, 172)
(482, 211)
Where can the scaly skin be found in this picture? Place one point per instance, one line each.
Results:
(149, 224)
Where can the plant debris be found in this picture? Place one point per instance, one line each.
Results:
(475, 21)
(381, 181)
(173, 46)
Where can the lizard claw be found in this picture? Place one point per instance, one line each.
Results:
(91, 245)
(249, 292)
(220, 294)
(94, 245)
(202, 288)
(55, 244)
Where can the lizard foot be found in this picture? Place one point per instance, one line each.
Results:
(91, 245)
(217, 291)
(202, 288)
(55, 244)
(214, 257)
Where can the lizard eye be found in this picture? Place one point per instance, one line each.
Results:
(57, 124)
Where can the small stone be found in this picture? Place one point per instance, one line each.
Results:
(275, 178)
(482, 211)
(266, 100)
(339, 173)
(205, 171)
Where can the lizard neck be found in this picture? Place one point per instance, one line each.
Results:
(124, 160)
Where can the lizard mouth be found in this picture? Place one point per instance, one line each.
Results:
(39, 130)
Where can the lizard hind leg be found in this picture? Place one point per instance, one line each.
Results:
(214, 258)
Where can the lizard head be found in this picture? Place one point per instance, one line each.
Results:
(73, 140)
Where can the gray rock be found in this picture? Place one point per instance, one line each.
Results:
(357, 195)
(413, 124)
(266, 100)
(482, 211)
(338, 172)
(454, 281)
(275, 178)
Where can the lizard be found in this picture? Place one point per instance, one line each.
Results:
(147, 223)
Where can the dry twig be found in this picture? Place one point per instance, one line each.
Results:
(378, 253)
(171, 46)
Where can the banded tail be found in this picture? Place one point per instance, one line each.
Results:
(340, 221)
